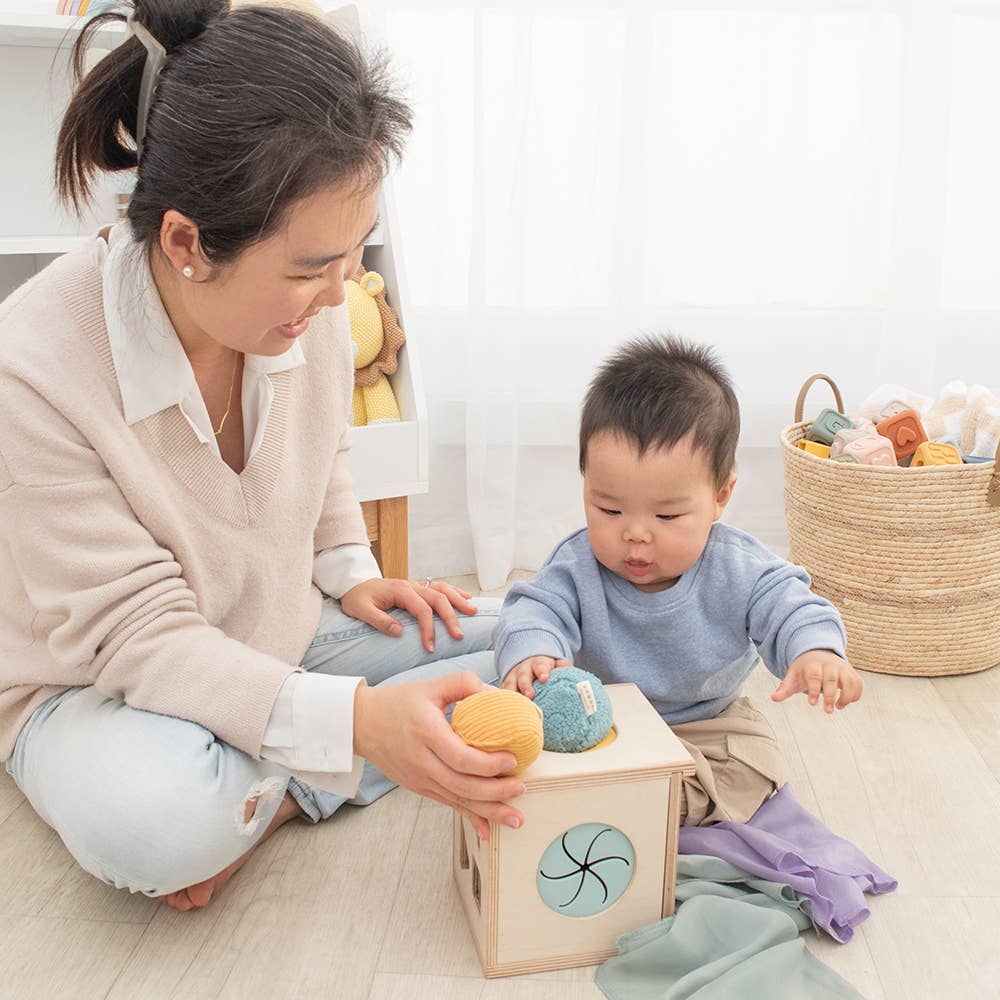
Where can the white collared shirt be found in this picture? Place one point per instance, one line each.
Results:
(311, 728)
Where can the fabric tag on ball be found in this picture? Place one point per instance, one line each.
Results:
(586, 693)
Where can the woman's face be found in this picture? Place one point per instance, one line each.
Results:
(262, 303)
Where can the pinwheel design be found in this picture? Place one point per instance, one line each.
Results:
(586, 870)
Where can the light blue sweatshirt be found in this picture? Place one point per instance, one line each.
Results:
(689, 648)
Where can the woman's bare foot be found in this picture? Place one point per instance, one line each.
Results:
(200, 894)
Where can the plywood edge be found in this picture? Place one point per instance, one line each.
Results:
(673, 838)
(492, 971)
(615, 778)
(493, 898)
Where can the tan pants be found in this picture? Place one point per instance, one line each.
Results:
(739, 765)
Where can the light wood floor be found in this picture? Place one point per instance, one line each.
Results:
(362, 907)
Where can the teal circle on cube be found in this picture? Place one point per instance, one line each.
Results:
(576, 710)
(586, 870)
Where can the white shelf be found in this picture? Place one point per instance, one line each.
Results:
(386, 460)
(51, 30)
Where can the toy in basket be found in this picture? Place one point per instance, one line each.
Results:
(910, 556)
(597, 854)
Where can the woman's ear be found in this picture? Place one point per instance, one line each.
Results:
(180, 245)
(724, 495)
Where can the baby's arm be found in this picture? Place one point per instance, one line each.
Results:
(800, 637)
(538, 629)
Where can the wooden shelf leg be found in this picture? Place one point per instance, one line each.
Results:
(392, 547)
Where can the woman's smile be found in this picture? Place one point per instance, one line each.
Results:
(295, 329)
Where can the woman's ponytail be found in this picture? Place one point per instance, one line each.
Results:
(98, 131)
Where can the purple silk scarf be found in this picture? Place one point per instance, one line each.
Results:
(784, 843)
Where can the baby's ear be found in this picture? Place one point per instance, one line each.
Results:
(724, 495)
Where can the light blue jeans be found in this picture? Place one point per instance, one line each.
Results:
(154, 804)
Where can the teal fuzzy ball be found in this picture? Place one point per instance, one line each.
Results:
(564, 700)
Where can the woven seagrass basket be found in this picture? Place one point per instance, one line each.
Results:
(910, 557)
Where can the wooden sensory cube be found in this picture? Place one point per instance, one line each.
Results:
(596, 857)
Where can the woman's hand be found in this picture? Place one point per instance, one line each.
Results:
(370, 602)
(402, 730)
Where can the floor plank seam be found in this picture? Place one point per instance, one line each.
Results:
(971, 742)
(395, 897)
(16, 809)
(142, 937)
(819, 805)
(279, 855)
(56, 917)
(805, 766)
(868, 797)
(873, 965)
(126, 960)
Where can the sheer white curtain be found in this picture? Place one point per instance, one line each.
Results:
(807, 186)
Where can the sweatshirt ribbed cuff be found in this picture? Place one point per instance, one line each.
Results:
(524, 644)
(819, 635)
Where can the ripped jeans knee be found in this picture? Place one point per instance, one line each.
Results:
(262, 801)
(201, 837)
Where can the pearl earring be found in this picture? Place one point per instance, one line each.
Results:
(188, 271)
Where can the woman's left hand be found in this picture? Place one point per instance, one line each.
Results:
(371, 601)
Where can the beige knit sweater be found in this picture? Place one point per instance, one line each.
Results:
(134, 558)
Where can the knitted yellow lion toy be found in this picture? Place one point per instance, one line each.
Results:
(377, 339)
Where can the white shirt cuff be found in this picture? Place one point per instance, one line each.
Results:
(338, 569)
(311, 731)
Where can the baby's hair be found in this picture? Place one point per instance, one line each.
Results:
(655, 391)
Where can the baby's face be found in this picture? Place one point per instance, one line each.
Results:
(649, 517)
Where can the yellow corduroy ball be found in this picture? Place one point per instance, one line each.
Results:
(499, 719)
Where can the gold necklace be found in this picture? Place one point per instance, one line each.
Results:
(229, 402)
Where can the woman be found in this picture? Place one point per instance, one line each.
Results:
(189, 610)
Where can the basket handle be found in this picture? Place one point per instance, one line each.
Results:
(803, 392)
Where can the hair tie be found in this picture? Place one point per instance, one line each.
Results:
(156, 57)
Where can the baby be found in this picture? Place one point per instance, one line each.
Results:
(657, 592)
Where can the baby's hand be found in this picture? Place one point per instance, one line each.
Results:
(521, 678)
(821, 670)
